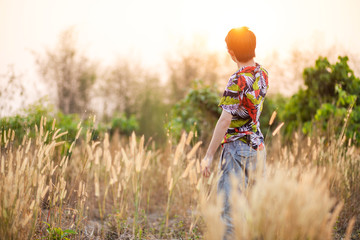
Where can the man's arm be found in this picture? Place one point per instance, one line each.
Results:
(219, 132)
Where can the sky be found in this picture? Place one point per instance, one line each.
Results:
(150, 30)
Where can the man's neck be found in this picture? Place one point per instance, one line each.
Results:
(243, 64)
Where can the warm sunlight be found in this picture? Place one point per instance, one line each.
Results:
(149, 32)
(109, 28)
(134, 119)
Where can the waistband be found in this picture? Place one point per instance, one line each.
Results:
(246, 139)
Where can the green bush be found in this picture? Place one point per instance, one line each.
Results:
(124, 125)
(272, 103)
(197, 112)
(331, 93)
(24, 123)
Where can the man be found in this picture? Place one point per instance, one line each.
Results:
(238, 128)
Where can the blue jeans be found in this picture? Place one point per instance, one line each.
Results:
(238, 159)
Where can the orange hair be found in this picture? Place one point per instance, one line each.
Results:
(242, 42)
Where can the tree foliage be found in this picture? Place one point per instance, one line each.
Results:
(198, 111)
(152, 109)
(331, 93)
(272, 103)
(23, 123)
(124, 125)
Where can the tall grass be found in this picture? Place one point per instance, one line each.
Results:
(25, 177)
(126, 188)
(286, 204)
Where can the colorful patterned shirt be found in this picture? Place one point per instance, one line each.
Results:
(243, 98)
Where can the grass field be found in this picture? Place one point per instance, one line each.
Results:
(122, 188)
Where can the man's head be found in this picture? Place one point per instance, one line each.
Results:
(242, 43)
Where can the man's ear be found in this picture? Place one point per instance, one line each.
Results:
(232, 55)
(231, 52)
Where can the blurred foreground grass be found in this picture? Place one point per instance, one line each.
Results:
(126, 188)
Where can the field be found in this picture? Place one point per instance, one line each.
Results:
(128, 188)
(107, 109)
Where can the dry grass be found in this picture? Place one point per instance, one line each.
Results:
(125, 189)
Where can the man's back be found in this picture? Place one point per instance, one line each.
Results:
(243, 98)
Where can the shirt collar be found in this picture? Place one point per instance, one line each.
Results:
(249, 69)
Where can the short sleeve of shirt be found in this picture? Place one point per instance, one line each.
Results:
(229, 101)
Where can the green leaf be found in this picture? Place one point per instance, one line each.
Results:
(70, 231)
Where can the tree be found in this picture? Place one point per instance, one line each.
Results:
(137, 97)
(198, 111)
(193, 62)
(69, 72)
(120, 88)
(331, 90)
(11, 92)
(152, 109)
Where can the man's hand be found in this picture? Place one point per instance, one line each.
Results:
(219, 132)
(205, 166)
